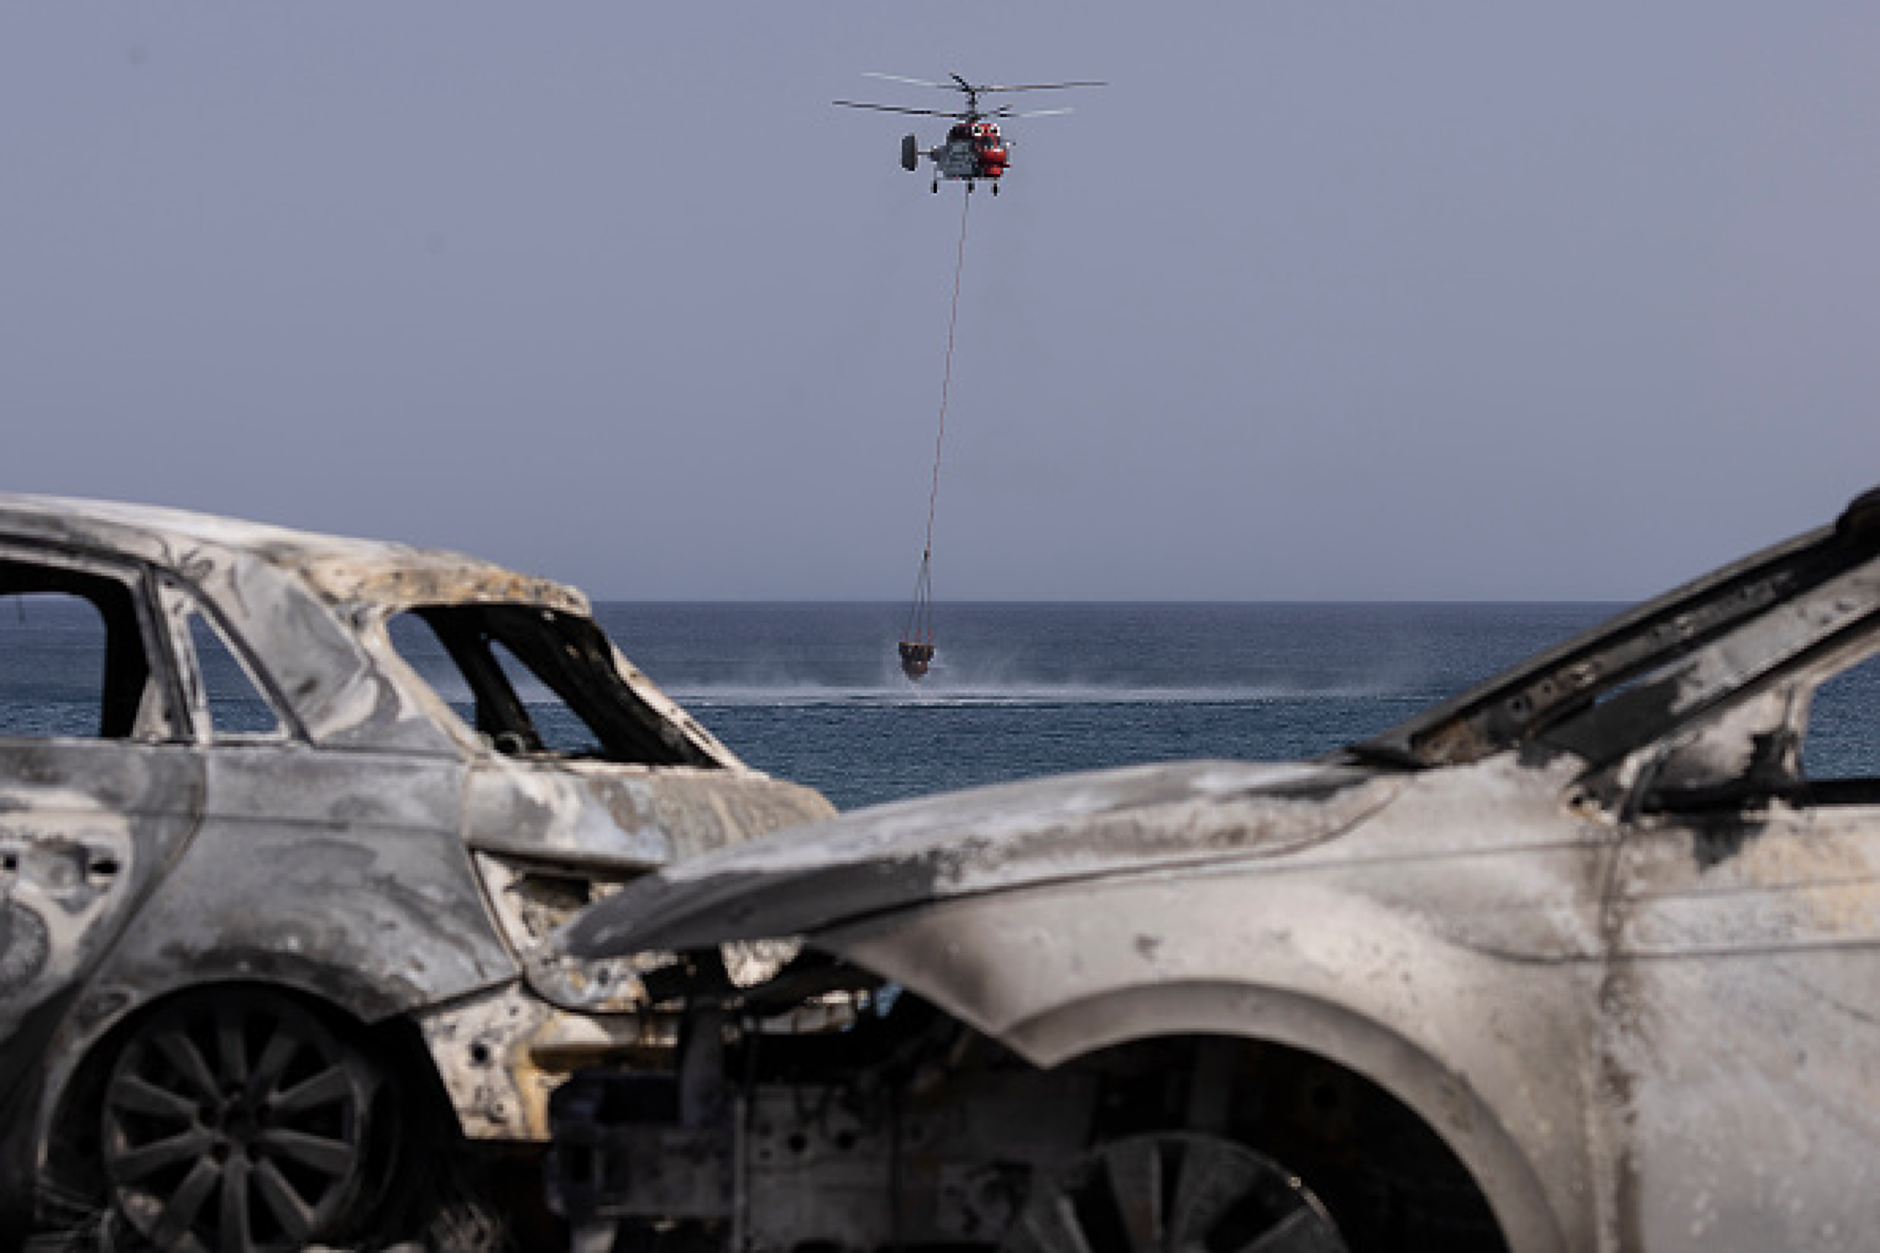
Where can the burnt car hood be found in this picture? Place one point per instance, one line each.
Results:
(625, 818)
(1138, 819)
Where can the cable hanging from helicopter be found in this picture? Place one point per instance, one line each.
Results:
(917, 646)
(974, 149)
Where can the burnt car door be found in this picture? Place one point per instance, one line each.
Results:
(1741, 1049)
(98, 792)
(340, 871)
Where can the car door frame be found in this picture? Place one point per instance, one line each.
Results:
(88, 827)
(1741, 994)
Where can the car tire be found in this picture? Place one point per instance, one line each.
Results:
(1173, 1190)
(240, 1119)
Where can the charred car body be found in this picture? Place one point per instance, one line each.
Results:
(1580, 959)
(272, 910)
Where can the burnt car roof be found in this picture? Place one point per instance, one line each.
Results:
(339, 569)
(302, 597)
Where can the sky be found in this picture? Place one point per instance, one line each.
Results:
(1316, 300)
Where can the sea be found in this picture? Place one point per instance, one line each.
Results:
(814, 692)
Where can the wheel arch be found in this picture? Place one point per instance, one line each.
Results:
(1442, 1099)
(70, 1113)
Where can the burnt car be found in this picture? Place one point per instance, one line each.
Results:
(1585, 958)
(285, 821)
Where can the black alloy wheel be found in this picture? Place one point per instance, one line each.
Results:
(1173, 1192)
(236, 1122)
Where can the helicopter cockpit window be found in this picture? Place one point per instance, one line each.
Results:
(534, 682)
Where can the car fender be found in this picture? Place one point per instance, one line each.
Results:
(375, 917)
(1054, 975)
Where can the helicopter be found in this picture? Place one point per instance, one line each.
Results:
(974, 148)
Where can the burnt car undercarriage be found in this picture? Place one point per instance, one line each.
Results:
(824, 1110)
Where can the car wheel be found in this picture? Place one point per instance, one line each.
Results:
(1173, 1192)
(239, 1121)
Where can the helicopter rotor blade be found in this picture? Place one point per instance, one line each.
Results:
(895, 108)
(899, 78)
(1041, 86)
(1011, 110)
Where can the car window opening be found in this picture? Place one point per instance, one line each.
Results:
(535, 682)
(1608, 671)
(1841, 746)
(94, 646)
(236, 708)
(1805, 743)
